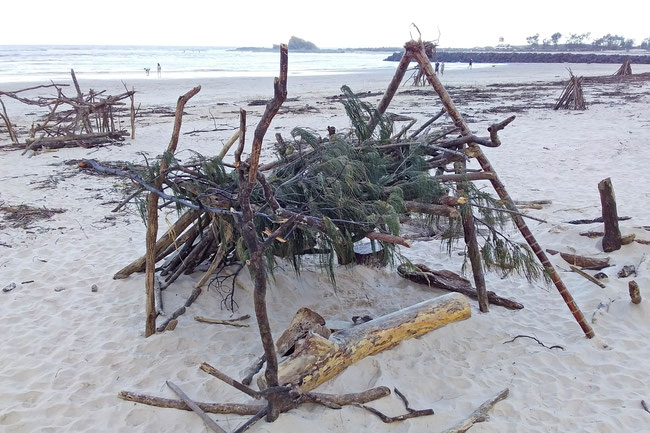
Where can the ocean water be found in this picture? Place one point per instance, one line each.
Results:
(43, 63)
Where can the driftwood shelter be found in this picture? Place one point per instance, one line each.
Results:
(253, 221)
(84, 120)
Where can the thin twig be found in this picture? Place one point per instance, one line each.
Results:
(557, 346)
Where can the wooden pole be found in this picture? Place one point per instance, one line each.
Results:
(612, 237)
(416, 50)
(152, 219)
(418, 53)
(391, 89)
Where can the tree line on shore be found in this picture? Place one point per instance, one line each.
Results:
(580, 41)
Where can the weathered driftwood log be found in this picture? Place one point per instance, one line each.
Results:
(612, 237)
(635, 293)
(592, 263)
(319, 359)
(453, 282)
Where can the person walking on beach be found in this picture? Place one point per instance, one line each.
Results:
(470, 64)
(442, 68)
(437, 67)
(160, 69)
(146, 71)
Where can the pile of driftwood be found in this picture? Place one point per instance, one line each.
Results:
(572, 97)
(322, 196)
(625, 69)
(83, 120)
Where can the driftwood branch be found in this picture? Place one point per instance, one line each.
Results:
(196, 408)
(233, 322)
(448, 280)
(479, 415)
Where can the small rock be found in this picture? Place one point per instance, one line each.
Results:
(93, 288)
(59, 289)
(626, 271)
(600, 276)
(9, 287)
(358, 320)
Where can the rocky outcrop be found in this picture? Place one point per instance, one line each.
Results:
(518, 57)
(296, 43)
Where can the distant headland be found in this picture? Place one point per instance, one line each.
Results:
(297, 44)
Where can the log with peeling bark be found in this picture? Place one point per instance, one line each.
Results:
(591, 263)
(453, 282)
(319, 359)
(612, 237)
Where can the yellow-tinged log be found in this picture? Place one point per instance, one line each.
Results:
(319, 359)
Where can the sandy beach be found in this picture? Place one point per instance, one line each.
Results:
(67, 351)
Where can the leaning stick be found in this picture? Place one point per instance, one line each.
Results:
(206, 419)
(221, 252)
(128, 199)
(418, 53)
(152, 219)
(427, 123)
(272, 108)
(587, 276)
(479, 415)
(391, 89)
(162, 245)
(228, 145)
(230, 381)
(5, 116)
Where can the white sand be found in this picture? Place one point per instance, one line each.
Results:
(66, 352)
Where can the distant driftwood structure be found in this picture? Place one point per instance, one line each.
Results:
(84, 120)
(572, 97)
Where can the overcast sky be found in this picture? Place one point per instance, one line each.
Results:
(331, 23)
